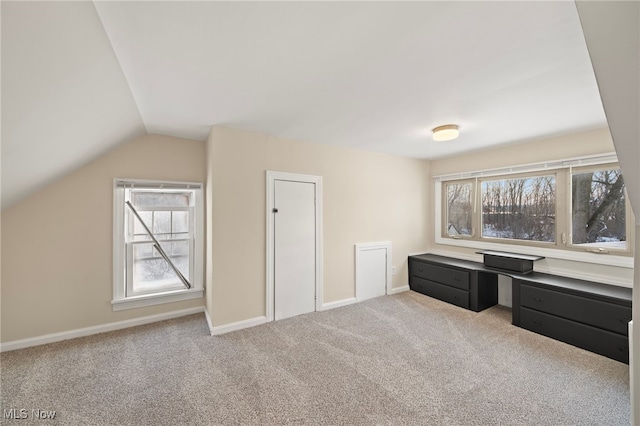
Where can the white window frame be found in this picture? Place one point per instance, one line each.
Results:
(628, 220)
(120, 299)
(612, 258)
(480, 206)
(445, 218)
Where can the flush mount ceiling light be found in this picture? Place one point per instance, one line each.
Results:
(445, 133)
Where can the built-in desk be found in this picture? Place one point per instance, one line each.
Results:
(590, 315)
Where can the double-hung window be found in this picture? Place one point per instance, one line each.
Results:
(158, 242)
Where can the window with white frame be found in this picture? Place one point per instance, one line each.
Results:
(566, 205)
(459, 209)
(519, 208)
(158, 242)
(598, 208)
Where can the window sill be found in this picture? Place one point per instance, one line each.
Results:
(156, 299)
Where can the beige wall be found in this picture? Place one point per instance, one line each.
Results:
(579, 144)
(208, 276)
(368, 197)
(574, 145)
(57, 243)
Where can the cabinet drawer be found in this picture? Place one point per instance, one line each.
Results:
(611, 345)
(440, 291)
(439, 274)
(589, 311)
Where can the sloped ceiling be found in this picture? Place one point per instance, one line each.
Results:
(65, 99)
(618, 73)
(78, 78)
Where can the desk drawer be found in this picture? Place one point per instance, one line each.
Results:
(611, 345)
(439, 274)
(589, 311)
(440, 291)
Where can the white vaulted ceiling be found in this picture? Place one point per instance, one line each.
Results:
(78, 78)
(64, 97)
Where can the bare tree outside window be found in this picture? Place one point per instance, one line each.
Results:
(570, 205)
(598, 209)
(520, 208)
(459, 209)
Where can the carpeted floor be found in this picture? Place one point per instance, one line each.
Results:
(396, 360)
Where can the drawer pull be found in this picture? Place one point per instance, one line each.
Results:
(622, 349)
(538, 322)
(456, 297)
(456, 278)
(537, 299)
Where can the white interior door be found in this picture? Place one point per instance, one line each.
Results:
(294, 248)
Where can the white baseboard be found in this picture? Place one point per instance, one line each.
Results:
(252, 322)
(338, 303)
(209, 322)
(88, 331)
(226, 328)
(397, 290)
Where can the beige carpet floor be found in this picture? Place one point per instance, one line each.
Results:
(396, 360)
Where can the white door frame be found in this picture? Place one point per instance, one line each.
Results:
(270, 284)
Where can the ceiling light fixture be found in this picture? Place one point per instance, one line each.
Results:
(445, 133)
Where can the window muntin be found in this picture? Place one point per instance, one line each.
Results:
(519, 208)
(148, 272)
(169, 216)
(598, 209)
(459, 210)
(174, 213)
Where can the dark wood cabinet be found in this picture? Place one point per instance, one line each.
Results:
(589, 315)
(586, 314)
(447, 276)
(593, 339)
(441, 291)
(452, 280)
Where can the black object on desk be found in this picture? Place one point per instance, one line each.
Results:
(512, 262)
(586, 314)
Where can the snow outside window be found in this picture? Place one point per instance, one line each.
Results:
(598, 209)
(520, 208)
(567, 208)
(158, 242)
